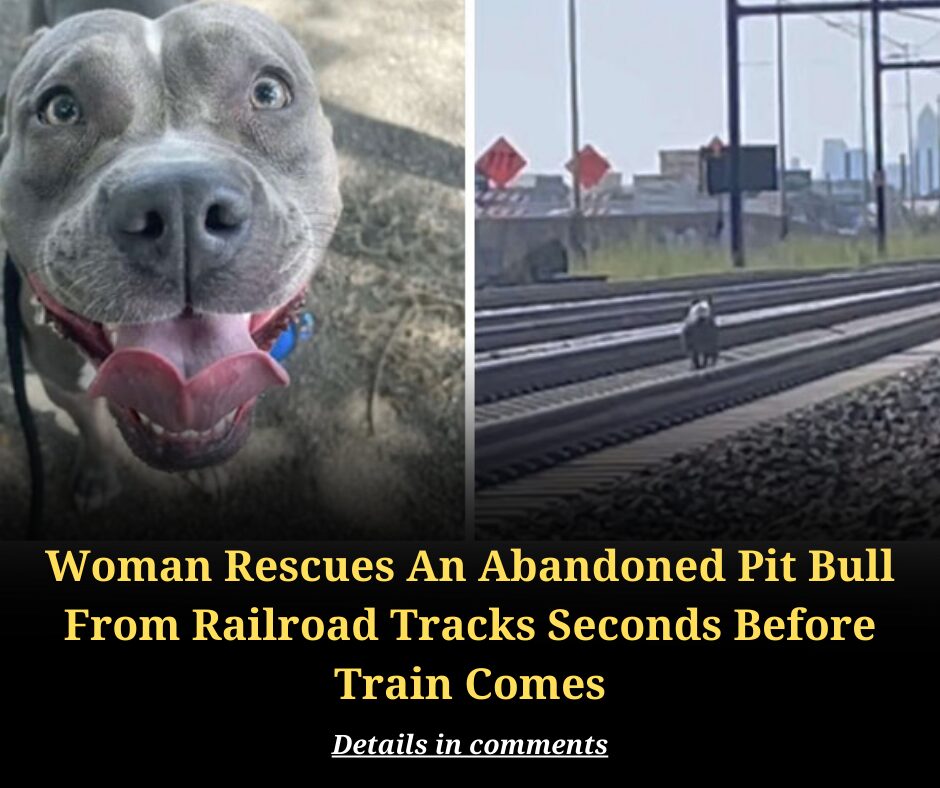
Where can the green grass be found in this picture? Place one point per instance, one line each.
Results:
(644, 260)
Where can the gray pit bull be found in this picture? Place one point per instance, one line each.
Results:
(699, 333)
(167, 188)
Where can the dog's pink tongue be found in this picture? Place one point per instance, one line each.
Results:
(187, 373)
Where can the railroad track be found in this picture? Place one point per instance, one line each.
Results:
(531, 324)
(521, 370)
(522, 295)
(556, 430)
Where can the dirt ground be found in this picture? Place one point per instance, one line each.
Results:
(368, 440)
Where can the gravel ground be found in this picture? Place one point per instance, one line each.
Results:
(864, 465)
(368, 441)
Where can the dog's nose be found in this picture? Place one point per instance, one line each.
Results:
(180, 219)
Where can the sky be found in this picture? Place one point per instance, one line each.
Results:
(652, 76)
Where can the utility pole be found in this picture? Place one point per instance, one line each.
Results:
(577, 241)
(879, 133)
(863, 89)
(938, 143)
(734, 136)
(782, 130)
(911, 158)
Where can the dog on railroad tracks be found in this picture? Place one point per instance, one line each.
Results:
(699, 333)
(168, 186)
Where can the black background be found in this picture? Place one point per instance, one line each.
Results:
(279, 700)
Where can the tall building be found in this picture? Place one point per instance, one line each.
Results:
(927, 163)
(841, 163)
(833, 159)
(856, 164)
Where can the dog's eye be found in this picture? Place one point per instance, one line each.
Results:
(270, 92)
(62, 109)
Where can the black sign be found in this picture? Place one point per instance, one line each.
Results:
(758, 169)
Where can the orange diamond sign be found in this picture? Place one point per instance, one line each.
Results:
(592, 166)
(501, 162)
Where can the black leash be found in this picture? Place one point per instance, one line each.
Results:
(14, 327)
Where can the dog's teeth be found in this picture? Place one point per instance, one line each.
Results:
(217, 430)
(221, 427)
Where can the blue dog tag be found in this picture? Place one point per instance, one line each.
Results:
(298, 331)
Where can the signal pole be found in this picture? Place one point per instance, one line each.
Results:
(576, 240)
(734, 137)
(913, 177)
(863, 89)
(877, 110)
(782, 130)
(937, 157)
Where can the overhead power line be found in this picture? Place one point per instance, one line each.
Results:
(921, 17)
(855, 31)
